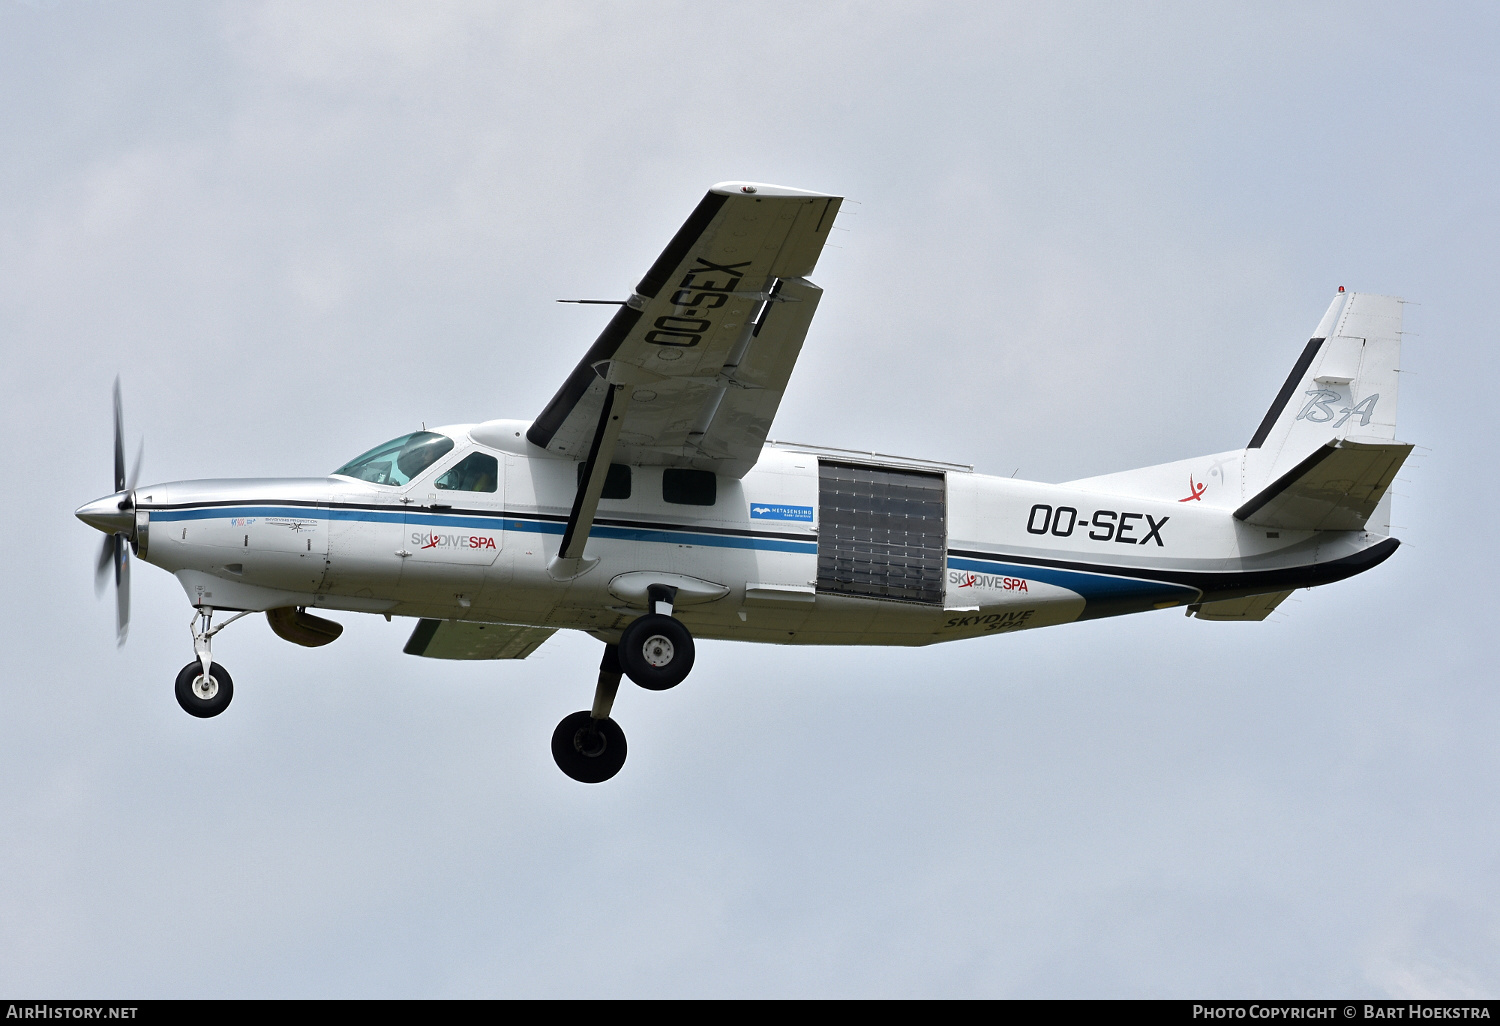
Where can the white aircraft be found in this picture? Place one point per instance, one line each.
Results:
(645, 506)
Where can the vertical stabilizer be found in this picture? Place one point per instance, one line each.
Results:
(1342, 386)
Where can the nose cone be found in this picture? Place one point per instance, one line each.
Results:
(106, 515)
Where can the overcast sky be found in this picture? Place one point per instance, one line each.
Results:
(1079, 239)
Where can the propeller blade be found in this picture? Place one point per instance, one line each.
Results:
(119, 441)
(135, 470)
(101, 567)
(122, 590)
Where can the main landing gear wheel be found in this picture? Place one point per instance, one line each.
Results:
(204, 697)
(588, 750)
(656, 651)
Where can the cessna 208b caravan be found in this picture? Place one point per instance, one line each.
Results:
(645, 506)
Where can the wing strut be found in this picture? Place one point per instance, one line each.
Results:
(569, 561)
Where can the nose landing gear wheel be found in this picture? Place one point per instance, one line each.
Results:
(588, 750)
(656, 651)
(204, 697)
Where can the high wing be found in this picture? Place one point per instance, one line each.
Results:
(694, 365)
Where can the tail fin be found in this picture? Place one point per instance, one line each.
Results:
(1325, 454)
(1343, 386)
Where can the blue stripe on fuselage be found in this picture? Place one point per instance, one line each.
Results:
(663, 535)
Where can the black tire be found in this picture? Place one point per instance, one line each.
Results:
(588, 750)
(656, 652)
(221, 688)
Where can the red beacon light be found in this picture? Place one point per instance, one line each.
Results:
(1341, 288)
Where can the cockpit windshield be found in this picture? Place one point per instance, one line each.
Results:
(399, 460)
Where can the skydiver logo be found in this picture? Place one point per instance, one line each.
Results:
(987, 582)
(429, 540)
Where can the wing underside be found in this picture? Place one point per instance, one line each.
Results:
(457, 639)
(701, 353)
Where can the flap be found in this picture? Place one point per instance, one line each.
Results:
(459, 639)
(1251, 607)
(1334, 489)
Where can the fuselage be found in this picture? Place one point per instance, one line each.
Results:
(1003, 555)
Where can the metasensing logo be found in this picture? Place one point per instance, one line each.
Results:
(429, 540)
(776, 511)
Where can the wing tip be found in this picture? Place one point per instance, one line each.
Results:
(762, 189)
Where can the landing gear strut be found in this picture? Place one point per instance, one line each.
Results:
(587, 745)
(203, 687)
(656, 650)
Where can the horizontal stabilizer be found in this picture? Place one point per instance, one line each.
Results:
(457, 639)
(1334, 489)
(1251, 607)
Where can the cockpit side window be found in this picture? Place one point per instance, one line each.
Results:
(476, 472)
(399, 460)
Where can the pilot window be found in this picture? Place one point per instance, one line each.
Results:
(399, 460)
(616, 481)
(476, 472)
(882, 533)
(689, 487)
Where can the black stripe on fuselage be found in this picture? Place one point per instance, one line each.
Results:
(1285, 395)
(1219, 584)
(497, 514)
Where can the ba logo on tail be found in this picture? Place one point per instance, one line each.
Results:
(1318, 410)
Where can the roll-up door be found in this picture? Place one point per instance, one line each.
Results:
(882, 532)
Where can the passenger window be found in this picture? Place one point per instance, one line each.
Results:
(476, 472)
(689, 487)
(616, 481)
